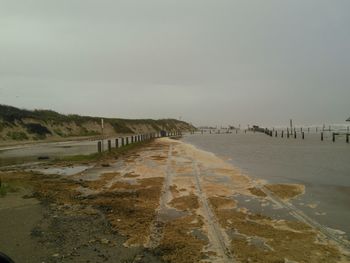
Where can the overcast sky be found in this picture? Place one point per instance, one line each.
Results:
(208, 61)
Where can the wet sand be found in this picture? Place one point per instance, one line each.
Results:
(171, 202)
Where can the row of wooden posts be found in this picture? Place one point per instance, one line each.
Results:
(123, 141)
(293, 133)
(302, 133)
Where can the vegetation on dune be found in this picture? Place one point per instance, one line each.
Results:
(20, 124)
(18, 136)
(6, 188)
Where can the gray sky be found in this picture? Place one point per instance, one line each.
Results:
(209, 61)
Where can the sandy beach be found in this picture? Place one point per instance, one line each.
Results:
(164, 201)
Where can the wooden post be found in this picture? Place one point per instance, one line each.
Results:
(99, 146)
(321, 136)
(116, 143)
(109, 145)
(276, 133)
(347, 138)
(282, 134)
(287, 133)
(127, 140)
(303, 135)
(295, 135)
(308, 130)
(333, 136)
(122, 142)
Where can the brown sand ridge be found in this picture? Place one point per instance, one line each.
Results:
(222, 202)
(178, 244)
(186, 202)
(257, 192)
(286, 191)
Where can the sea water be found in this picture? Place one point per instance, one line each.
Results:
(322, 166)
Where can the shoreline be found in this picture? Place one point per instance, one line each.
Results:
(151, 194)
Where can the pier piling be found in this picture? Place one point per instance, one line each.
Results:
(321, 136)
(109, 142)
(99, 146)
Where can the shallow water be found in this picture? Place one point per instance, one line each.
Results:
(30, 153)
(323, 167)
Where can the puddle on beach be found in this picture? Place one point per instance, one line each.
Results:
(64, 171)
(96, 172)
(262, 206)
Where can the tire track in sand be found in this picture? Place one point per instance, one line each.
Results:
(158, 224)
(216, 235)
